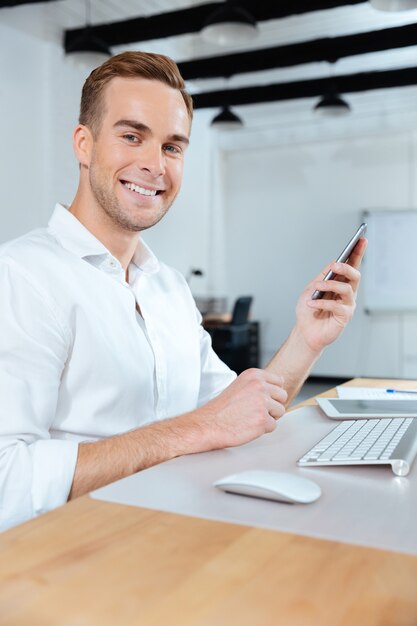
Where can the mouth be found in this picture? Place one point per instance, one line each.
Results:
(143, 191)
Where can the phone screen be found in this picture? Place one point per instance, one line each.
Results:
(343, 257)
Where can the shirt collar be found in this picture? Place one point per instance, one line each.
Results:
(76, 238)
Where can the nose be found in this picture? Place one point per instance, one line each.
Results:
(152, 159)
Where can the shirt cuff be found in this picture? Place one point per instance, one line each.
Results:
(53, 462)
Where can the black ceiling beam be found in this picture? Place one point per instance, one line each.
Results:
(191, 20)
(351, 83)
(326, 49)
(15, 3)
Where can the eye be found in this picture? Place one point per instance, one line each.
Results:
(172, 149)
(131, 138)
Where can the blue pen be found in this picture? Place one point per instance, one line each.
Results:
(401, 390)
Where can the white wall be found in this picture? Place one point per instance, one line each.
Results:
(23, 130)
(291, 208)
(65, 81)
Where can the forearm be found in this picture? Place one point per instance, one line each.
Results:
(246, 409)
(293, 362)
(102, 462)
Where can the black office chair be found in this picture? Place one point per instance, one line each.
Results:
(231, 341)
(241, 310)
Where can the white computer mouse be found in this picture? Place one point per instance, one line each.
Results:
(271, 485)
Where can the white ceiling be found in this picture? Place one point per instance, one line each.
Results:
(48, 21)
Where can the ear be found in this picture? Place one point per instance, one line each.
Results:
(83, 144)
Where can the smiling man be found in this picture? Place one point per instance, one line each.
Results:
(104, 366)
(142, 117)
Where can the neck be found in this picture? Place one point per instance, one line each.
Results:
(118, 241)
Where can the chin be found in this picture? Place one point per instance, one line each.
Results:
(143, 224)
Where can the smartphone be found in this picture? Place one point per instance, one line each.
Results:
(343, 257)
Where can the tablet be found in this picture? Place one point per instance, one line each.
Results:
(343, 408)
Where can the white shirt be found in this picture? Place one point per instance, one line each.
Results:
(78, 362)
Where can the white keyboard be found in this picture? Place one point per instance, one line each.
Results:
(368, 442)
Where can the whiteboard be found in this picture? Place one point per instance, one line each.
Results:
(390, 267)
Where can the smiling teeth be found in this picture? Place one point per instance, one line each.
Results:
(142, 190)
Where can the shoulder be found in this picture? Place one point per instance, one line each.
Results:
(171, 279)
(25, 248)
(31, 261)
(26, 266)
(170, 273)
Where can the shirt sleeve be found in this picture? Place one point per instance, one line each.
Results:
(36, 471)
(215, 375)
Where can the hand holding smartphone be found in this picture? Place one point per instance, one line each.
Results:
(342, 258)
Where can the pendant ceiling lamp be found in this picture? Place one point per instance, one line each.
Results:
(394, 5)
(229, 24)
(226, 120)
(332, 105)
(89, 49)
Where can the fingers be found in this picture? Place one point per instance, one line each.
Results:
(276, 398)
(336, 307)
(271, 424)
(344, 291)
(347, 272)
(269, 387)
(275, 409)
(347, 279)
(246, 409)
(271, 378)
(255, 375)
(278, 394)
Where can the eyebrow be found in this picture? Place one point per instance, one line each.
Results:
(142, 128)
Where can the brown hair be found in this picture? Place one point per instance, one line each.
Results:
(128, 65)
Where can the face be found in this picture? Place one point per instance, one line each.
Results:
(136, 160)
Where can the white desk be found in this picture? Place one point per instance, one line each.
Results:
(368, 506)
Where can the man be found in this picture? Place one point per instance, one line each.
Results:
(104, 367)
